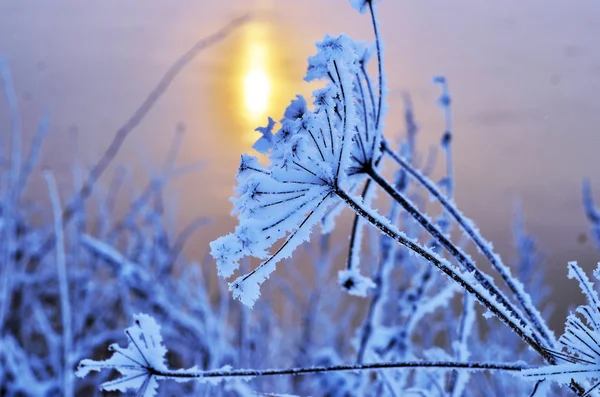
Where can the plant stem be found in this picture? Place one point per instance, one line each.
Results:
(379, 64)
(123, 132)
(515, 286)
(241, 373)
(479, 293)
(456, 252)
(63, 281)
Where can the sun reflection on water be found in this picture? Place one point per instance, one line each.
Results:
(257, 77)
(257, 84)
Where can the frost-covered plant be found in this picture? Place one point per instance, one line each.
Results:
(317, 159)
(418, 335)
(74, 265)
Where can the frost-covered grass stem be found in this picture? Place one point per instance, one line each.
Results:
(386, 228)
(379, 64)
(8, 229)
(63, 281)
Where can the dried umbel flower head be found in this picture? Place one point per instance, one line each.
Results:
(309, 155)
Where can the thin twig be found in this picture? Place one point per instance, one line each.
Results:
(123, 132)
(63, 281)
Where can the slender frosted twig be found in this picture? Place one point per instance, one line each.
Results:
(34, 152)
(123, 132)
(15, 122)
(591, 212)
(245, 373)
(356, 233)
(385, 227)
(456, 384)
(63, 281)
(381, 280)
(456, 252)
(379, 64)
(9, 206)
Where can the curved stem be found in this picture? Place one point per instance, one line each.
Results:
(379, 64)
(515, 286)
(481, 294)
(123, 132)
(456, 252)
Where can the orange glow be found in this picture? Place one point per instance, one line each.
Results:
(257, 83)
(258, 80)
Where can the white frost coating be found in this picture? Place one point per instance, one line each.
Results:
(355, 283)
(145, 350)
(110, 254)
(360, 5)
(483, 245)
(142, 363)
(247, 288)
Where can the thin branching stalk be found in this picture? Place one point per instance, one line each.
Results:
(485, 247)
(385, 227)
(356, 233)
(456, 252)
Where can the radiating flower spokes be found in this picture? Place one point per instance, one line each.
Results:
(136, 363)
(580, 360)
(309, 158)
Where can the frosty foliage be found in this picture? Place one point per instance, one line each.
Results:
(309, 158)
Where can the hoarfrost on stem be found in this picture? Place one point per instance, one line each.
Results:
(580, 358)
